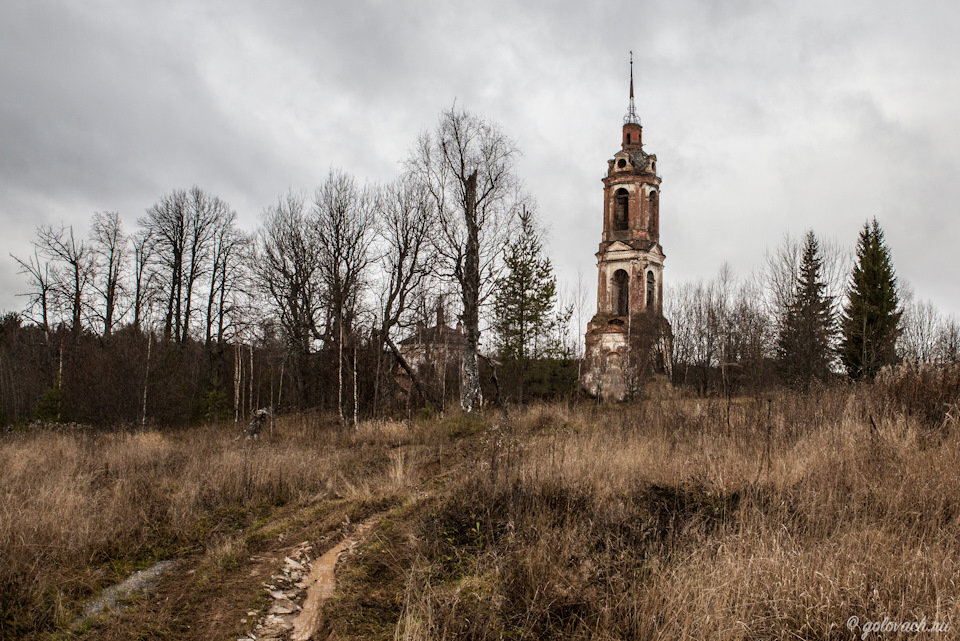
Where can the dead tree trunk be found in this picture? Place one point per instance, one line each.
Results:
(146, 380)
(409, 370)
(470, 395)
(340, 371)
(356, 398)
(237, 374)
(250, 399)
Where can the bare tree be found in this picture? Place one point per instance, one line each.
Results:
(749, 335)
(285, 268)
(917, 341)
(581, 307)
(677, 302)
(40, 296)
(226, 260)
(948, 341)
(695, 311)
(720, 327)
(405, 223)
(166, 224)
(779, 276)
(109, 245)
(927, 336)
(206, 214)
(468, 167)
(344, 220)
(144, 277)
(73, 271)
(343, 217)
(238, 301)
(183, 224)
(563, 343)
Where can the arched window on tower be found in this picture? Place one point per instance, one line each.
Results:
(651, 289)
(620, 293)
(620, 217)
(654, 213)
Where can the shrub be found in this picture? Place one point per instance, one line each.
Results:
(50, 405)
(928, 392)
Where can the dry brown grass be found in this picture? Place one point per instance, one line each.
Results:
(674, 518)
(81, 509)
(686, 519)
(928, 392)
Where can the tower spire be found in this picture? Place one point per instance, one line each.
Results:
(631, 116)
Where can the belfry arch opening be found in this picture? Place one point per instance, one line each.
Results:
(620, 203)
(620, 293)
(651, 289)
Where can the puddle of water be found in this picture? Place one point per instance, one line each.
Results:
(141, 581)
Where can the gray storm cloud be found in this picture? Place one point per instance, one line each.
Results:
(766, 117)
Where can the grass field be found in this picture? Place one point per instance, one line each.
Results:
(775, 517)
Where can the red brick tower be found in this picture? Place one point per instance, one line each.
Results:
(628, 335)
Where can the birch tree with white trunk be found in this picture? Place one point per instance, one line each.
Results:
(468, 167)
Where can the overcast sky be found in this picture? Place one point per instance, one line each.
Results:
(766, 117)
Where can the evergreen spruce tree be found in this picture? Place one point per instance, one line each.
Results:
(871, 316)
(525, 298)
(804, 345)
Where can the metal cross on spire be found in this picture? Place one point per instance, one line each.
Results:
(631, 116)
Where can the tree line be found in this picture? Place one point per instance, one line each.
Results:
(189, 317)
(811, 315)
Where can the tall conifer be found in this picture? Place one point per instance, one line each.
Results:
(526, 296)
(807, 331)
(871, 316)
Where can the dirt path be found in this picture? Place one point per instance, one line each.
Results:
(206, 599)
(299, 589)
(321, 584)
(270, 583)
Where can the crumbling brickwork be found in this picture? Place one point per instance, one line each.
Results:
(628, 337)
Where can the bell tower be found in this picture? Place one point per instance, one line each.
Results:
(628, 330)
